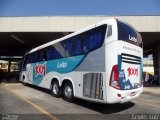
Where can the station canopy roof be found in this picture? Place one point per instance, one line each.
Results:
(18, 43)
(20, 34)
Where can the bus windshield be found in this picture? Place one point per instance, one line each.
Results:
(129, 34)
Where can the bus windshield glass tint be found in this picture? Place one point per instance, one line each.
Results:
(129, 34)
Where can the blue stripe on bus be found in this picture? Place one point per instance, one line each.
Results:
(63, 66)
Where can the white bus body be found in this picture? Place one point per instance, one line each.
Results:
(101, 63)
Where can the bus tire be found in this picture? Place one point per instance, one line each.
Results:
(68, 92)
(55, 89)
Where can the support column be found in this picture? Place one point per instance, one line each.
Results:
(9, 66)
(156, 60)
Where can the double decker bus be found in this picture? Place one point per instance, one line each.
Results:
(100, 63)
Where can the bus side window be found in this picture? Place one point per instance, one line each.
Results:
(64, 48)
(100, 35)
(44, 54)
(90, 40)
(97, 39)
(35, 56)
(94, 38)
(84, 46)
(52, 52)
(70, 47)
(56, 55)
(78, 45)
(25, 63)
(40, 56)
(73, 46)
(30, 58)
(49, 53)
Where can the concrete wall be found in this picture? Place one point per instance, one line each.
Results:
(72, 23)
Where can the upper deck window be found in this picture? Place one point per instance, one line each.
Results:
(128, 33)
(80, 44)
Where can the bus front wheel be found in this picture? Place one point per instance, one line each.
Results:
(68, 92)
(55, 89)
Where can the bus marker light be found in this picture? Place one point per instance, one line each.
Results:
(119, 95)
(133, 93)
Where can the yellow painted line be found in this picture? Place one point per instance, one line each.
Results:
(2, 84)
(35, 106)
(10, 84)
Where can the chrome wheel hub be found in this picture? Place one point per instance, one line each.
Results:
(68, 92)
(55, 89)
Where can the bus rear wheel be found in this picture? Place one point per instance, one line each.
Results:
(55, 89)
(68, 92)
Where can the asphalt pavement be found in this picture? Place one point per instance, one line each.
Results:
(30, 102)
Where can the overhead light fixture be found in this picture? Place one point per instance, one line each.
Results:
(18, 39)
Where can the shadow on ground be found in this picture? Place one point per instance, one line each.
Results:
(9, 80)
(98, 107)
(104, 108)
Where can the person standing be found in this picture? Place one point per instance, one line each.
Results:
(146, 79)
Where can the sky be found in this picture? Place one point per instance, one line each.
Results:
(78, 7)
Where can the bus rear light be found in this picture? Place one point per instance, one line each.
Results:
(118, 95)
(114, 77)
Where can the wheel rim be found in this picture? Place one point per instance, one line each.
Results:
(68, 92)
(55, 89)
